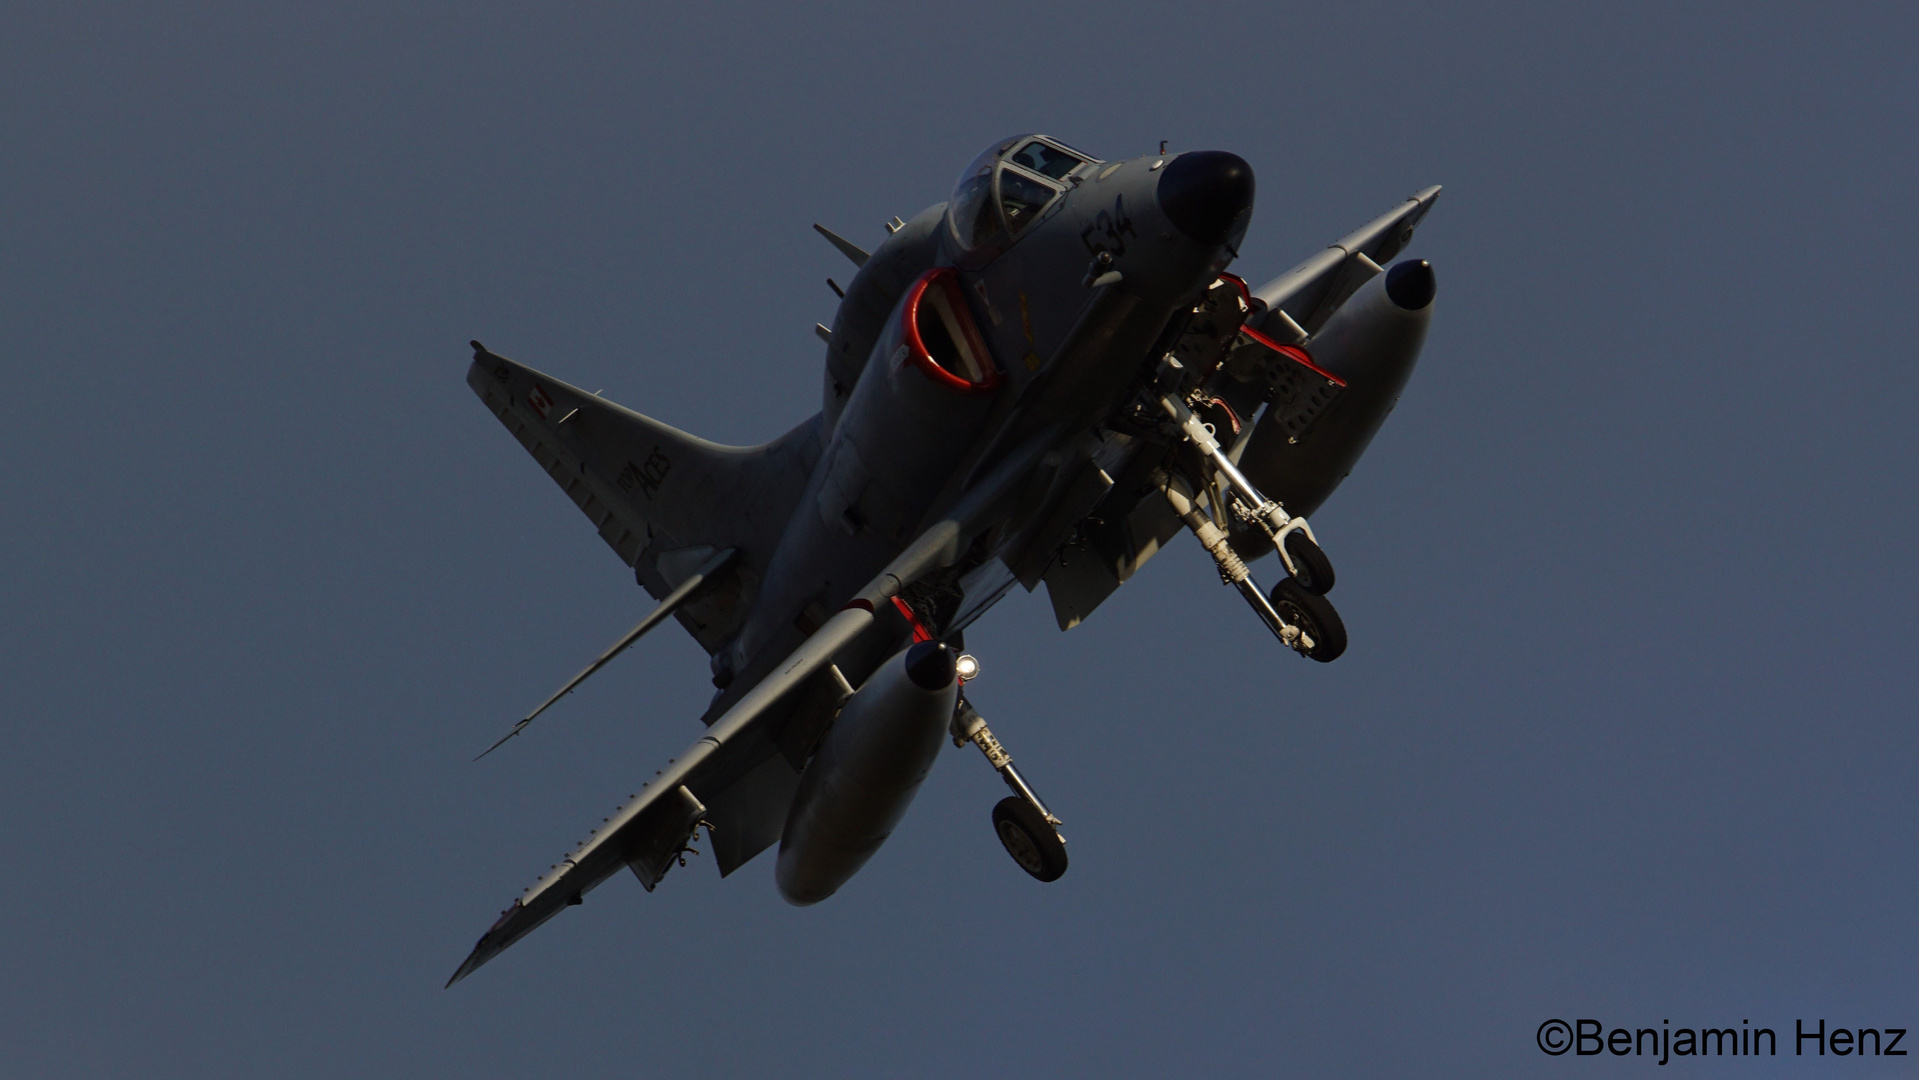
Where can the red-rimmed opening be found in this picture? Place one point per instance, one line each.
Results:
(941, 339)
(920, 632)
(1240, 284)
(1294, 353)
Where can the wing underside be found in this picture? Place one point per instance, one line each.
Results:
(647, 833)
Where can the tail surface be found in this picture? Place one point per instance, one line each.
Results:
(663, 500)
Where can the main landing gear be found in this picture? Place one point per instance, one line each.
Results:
(1296, 611)
(1319, 626)
(1028, 831)
(1029, 838)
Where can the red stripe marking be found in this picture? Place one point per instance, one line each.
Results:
(1240, 284)
(1221, 402)
(920, 632)
(1296, 354)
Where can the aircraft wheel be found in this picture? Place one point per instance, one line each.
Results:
(1032, 843)
(1311, 568)
(1313, 614)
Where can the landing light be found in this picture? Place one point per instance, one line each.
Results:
(967, 666)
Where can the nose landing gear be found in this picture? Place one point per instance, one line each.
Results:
(1310, 567)
(1297, 611)
(1028, 831)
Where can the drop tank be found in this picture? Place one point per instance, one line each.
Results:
(867, 771)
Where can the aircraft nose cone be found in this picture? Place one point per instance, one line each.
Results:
(1203, 192)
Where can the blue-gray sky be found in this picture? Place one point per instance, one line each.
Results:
(1626, 729)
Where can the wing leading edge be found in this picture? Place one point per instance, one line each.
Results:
(1301, 300)
(647, 833)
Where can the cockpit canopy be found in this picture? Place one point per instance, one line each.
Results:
(1008, 187)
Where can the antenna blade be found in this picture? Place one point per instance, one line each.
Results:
(847, 247)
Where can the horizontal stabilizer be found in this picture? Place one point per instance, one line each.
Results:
(663, 500)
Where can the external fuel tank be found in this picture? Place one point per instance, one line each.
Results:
(1372, 342)
(867, 771)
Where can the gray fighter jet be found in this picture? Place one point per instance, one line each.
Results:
(1042, 380)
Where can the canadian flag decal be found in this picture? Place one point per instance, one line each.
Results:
(540, 402)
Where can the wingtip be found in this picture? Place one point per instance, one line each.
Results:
(468, 966)
(494, 941)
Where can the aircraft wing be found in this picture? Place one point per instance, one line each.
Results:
(1309, 293)
(647, 833)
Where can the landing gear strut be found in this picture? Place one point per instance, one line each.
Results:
(1028, 831)
(1297, 612)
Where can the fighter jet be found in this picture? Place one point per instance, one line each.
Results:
(1042, 380)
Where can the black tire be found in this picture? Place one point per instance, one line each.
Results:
(1027, 837)
(1219, 416)
(1313, 614)
(1311, 568)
